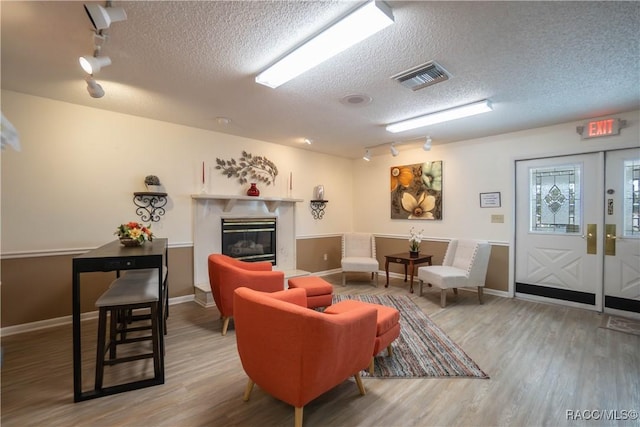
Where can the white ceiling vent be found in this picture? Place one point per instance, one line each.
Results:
(422, 76)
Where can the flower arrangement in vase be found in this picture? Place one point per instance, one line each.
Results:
(414, 242)
(133, 233)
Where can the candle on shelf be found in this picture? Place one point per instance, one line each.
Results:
(203, 173)
(290, 180)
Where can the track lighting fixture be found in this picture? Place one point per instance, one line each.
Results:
(427, 144)
(93, 64)
(94, 89)
(393, 146)
(102, 17)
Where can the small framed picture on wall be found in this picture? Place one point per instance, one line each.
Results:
(490, 200)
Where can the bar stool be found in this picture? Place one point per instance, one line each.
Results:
(148, 275)
(124, 295)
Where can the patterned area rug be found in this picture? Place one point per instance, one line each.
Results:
(422, 349)
(621, 324)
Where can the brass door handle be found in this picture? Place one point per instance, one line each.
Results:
(610, 241)
(592, 240)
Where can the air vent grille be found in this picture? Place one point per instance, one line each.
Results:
(422, 76)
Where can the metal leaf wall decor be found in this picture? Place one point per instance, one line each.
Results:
(249, 168)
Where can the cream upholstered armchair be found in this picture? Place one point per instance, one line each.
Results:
(359, 255)
(465, 265)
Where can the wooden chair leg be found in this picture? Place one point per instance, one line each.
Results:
(443, 298)
(371, 365)
(225, 325)
(247, 390)
(455, 291)
(297, 422)
(420, 282)
(344, 279)
(389, 351)
(359, 383)
(480, 294)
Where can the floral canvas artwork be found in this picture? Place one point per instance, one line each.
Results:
(416, 191)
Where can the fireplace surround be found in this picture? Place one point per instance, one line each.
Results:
(210, 209)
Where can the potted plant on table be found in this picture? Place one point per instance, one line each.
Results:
(414, 242)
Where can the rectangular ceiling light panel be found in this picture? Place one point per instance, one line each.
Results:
(355, 27)
(441, 116)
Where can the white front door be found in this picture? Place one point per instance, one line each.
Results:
(558, 215)
(622, 231)
(578, 230)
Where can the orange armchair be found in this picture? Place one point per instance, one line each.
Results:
(226, 274)
(296, 354)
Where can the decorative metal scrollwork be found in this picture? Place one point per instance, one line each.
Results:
(150, 205)
(317, 208)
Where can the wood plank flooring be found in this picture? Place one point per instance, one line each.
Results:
(543, 360)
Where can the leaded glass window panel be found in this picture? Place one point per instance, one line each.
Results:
(555, 199)
(631, 198)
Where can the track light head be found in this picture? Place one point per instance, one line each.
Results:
(93, 64)
(394, 150)
(367, 155)
(427, 144)
(94, 89)
(101, 17)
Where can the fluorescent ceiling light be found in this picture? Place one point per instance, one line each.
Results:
(441, 116)
(355, 27)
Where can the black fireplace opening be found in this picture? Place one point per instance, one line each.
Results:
(249, 239)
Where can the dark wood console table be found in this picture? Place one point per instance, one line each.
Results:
(115, 257)
(407, 260)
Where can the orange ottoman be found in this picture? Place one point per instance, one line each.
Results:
(388, 326)
(319, 291)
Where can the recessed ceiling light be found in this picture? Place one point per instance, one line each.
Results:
(356, 100)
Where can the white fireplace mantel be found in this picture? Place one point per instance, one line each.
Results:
(208, 211)
(271, 203)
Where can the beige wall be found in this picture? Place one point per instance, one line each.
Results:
(39, 288)
(310, 253)
(311, 257)
(66, 193)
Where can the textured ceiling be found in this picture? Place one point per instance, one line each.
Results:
(540, 63)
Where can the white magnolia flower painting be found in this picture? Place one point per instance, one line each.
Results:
(416, 191)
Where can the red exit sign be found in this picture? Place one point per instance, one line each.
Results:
(598, 128)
